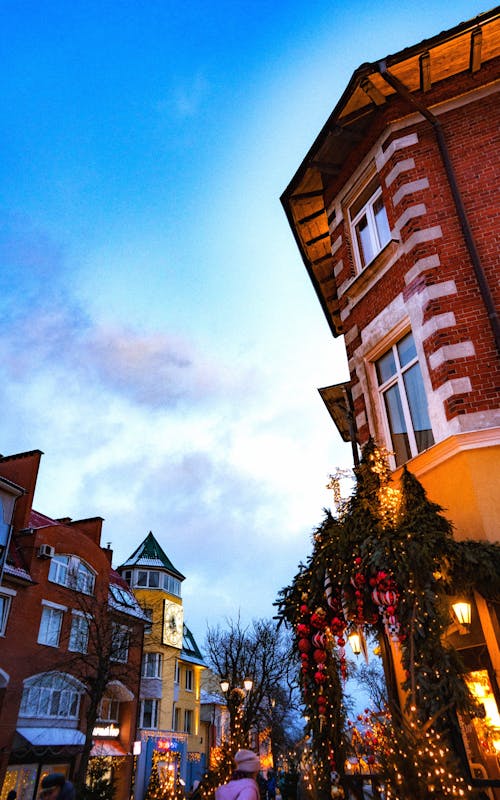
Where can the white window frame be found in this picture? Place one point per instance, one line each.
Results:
(397, 379)
(79, 632)
(189, 679)
(109, 709)
(120, 643)
(71, 571)
(51, 696)
(153, 706)
(177, 672)
(374, 234)
(6, 596)
(151, 665)
(188, 720)
(51, 619)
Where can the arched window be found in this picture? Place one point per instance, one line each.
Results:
(72, 572)
(51, 695)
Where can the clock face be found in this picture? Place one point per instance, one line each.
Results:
(173, 624)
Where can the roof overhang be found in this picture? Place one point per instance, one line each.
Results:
(464, 48)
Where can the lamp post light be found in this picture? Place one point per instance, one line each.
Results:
(235, 699)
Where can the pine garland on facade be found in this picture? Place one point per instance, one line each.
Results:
(388, 564)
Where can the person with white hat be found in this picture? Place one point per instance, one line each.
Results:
(243, 784)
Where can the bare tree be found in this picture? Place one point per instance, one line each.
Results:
(263, 653)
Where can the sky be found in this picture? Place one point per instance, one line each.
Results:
(160, 339)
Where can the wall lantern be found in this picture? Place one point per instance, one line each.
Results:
(248, 684)
(354, 640)
(224, 685)
(462, 610)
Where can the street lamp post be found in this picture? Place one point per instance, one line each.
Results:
(235, 699)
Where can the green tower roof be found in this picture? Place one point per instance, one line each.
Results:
(150, 554)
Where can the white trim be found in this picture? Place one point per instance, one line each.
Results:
(451, 352)
(419, 237)
(402, 166)
(7, 591)
(409, 188)
(451, 446)
(397, 144)
(437, 323)
(57, 606)
(428, 262)
(412, 212)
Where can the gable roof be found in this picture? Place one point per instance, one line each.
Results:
(150, 554)
(418, 70)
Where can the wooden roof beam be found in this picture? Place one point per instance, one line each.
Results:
(348, 133)
(310, 217)
(425, 71)
(307, 195)
(317, 239)
(327, 167)
(373, 93)
(476, 40)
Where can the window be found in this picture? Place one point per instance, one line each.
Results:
(79, 633)
(54, 695)
(151, 665)
(177, 719)
(120, 643)
(70, 571)
(148, 717)
(369, 225)
(188, 720)
(109, 710)
(404, 401)
(5, 601)
(50, 624)
(189, 680)
(177, 672)
(149, 578)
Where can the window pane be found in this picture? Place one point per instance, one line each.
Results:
(406, 350)
(381, 223)
(154, 580)
(386, 367)
(415, 394)
(142, 578)
(397, 425)
(364, 241)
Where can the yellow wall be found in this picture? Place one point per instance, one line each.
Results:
(466, 484)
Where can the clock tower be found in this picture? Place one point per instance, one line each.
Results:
(169, 707)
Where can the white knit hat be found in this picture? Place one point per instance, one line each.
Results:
(247, 761)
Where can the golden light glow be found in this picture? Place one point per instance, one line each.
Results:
(354, 640)
(462, 610)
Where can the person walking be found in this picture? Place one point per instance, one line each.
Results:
(243, 781)
(271, 785)
(54, 786)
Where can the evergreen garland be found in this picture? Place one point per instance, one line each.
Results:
(387, 564)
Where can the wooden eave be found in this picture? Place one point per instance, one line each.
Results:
(420, 67)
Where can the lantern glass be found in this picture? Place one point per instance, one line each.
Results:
(248, 684)
(462, 611)
(224, 685)
(355, 642)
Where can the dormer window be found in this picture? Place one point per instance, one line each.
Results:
(154, 579)
(70, 571)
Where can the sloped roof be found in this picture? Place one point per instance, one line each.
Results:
(122, 599)
(150, 554)
(418, 70)
(190, 650)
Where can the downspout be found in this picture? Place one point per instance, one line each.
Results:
(484, 287)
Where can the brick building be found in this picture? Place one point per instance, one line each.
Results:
(396, 213)
(69, 625)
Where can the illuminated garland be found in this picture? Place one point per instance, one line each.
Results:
(387, 564)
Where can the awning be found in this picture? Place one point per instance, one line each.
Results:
(52, 736)
(107, 747)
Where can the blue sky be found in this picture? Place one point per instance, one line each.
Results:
(160, 339)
